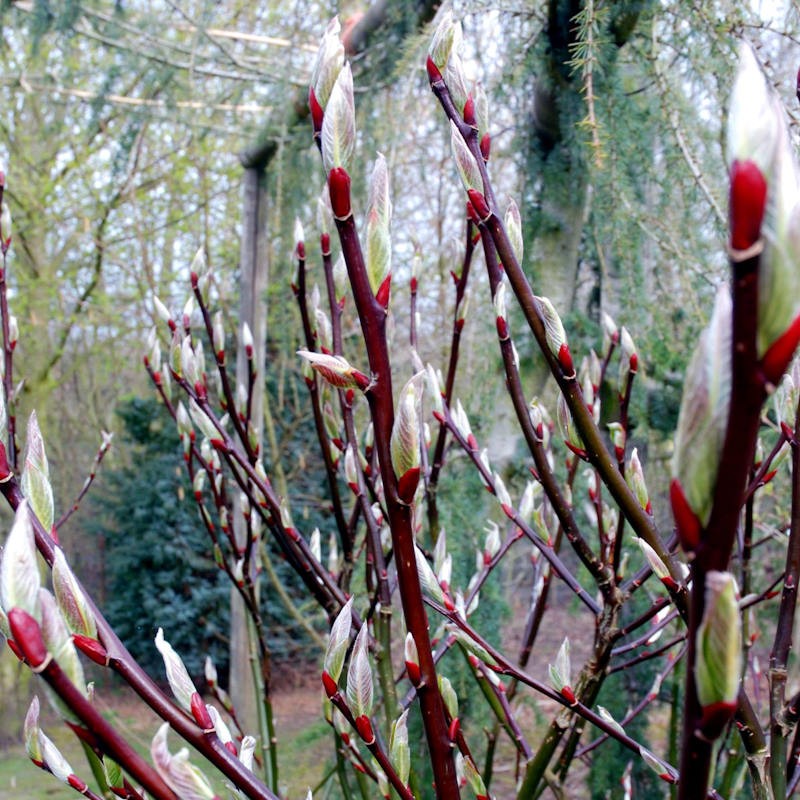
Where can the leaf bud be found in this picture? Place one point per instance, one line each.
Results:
(555, 336)
(19, 571)
(513, 224)
(635, 479)
(338, 643)
(467, 166)
(701, 426)
(335, 370)
(177, 676)
(71, 599)
(412, 660)
(560, 672)
(359, 677)
(339, 125)
(717, 668)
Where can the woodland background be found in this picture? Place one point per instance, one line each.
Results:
(125, 129)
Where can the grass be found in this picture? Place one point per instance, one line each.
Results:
(304, 746)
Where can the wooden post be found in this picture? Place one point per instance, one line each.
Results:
(254, 268)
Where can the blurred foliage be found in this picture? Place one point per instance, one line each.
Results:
(160, 572)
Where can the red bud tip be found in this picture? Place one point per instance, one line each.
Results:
(384, 291)
(670, 583)
(472, 442)
(472, 215)
(414, 285)
(455, 277)
(780, 353)
(686, 521)
(414, 673)
(634, 363)
(469, 112)
(200, 712)
(407, 485)
(455, 727)
(579, 451)
(748, 196)
(27, 636)
(325, 243)
(346, 740)
(339, 188)
(5, 469)
(486, 146)
(91, 648)
(364, 728)
(507, 510)
(568, 695)
(565, 360)
(15, 649)
(193, 279)
(769, 476)
(231, 748)
(715, 717)
(330, 685)
(479, 204)
(316, 110)
(667, 778)
(473, 660)
(502, 328)
(459, 325)
(76, 783)
(434, 74)
(301, 250)
(619, 452)
(787, 431)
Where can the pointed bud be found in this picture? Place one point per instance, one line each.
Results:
(753, 120)
(26, 634)
(185, 779)
(299, 238)
(5, 225)
(405, 443)
(569, 432)
(717, 668)
(31, 733)
(481, 111)
(560, 671)
(427, 578)
(335, 370)
(491, 545)
(399, 751)
(635, 479)
(328, 62)
(513, 224)
(555, 336)
(19, 570)
(338, 643)
(325, 215)
(359, 677)
(71, 599)
(656, 564)
(178, 678)
(701, 424)
(54, 760)
(467, 166)
(339, 124)
(474, 779)
(446, 38)
(379, 245)
(412, 660)
(36, 475)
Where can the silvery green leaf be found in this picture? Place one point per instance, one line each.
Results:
(339, 641)
(19, 570)
(359, 676)
(430, 585)
(71, 599)
(339, 123)
(399, 749)
(177, 676)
